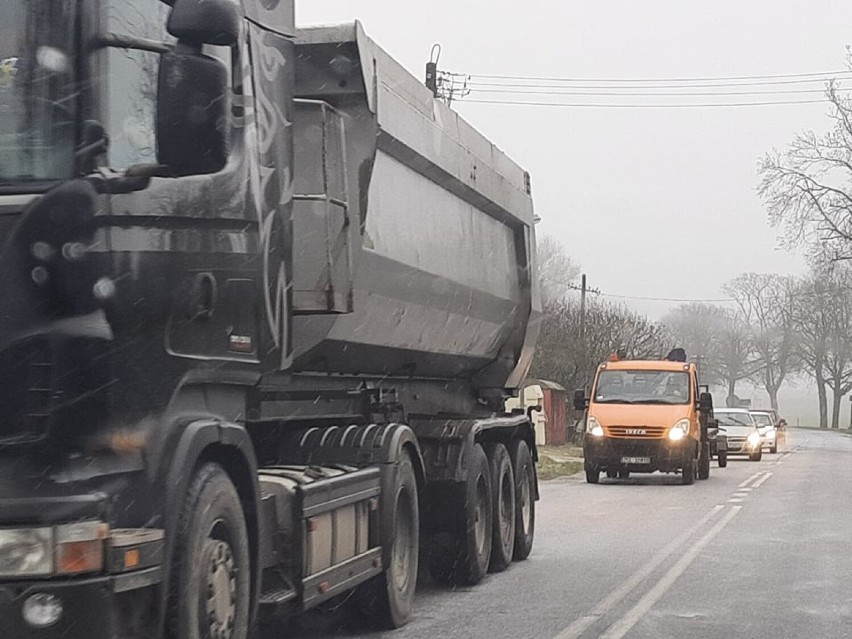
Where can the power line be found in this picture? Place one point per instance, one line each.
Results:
(642, 106)
(690, 79)
(632, 94)
(699, 85)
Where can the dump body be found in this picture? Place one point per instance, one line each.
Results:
(440, 228)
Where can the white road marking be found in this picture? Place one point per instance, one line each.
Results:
(749, 480)
(734, 500)
(580, 625)
(762, 480)
(632, 617)
(744, 490)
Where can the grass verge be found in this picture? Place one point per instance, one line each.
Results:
(549, 468)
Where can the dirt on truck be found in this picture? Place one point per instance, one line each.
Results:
(264, 298)
(645, 416)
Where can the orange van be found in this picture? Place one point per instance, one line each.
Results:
(645, 416)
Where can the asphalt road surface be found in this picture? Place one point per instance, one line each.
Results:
(761, 549)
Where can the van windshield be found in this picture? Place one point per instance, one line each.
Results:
(642, 387)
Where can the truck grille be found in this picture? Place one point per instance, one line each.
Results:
(26, 382)
(636, 432)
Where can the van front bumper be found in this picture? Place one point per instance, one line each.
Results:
(637, 455)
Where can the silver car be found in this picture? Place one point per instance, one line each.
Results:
(766, 428)
(741, 431)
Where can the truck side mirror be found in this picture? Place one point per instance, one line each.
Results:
(580, 401)
(192, 113)
(214, 22)
(705, 403)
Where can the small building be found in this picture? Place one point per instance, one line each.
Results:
(550, 418)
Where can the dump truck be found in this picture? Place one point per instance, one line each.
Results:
(647, 416)
(264, 298)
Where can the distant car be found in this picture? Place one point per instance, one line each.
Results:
(741, 432)
(766, 426)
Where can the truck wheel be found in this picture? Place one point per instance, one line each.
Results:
(503, 487)
(704, 462)
(387, 600)
(464, 561)
(593, 475)
(688, 472)
(525, 491)
(722, 458)
(210, 587)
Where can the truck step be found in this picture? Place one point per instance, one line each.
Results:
(277, 597)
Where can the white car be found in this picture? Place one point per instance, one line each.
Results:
(766, 428)
(741, 431)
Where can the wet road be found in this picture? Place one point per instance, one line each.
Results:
(761, 549)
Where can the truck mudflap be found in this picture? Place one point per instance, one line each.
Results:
(637, 455)
(117, 603)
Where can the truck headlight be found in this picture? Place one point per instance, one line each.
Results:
(593, 427)
(754, 439)
(27, 552)
(679, 430)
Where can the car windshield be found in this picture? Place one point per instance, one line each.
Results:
(37, 94)
(762, 419)
(734, 419)
(642, 387)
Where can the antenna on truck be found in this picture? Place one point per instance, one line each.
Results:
(445, 85)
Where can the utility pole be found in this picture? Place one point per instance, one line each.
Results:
(583, 308)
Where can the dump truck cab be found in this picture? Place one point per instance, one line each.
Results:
(646, 416)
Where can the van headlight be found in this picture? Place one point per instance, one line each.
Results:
(679, 430)
(754, 439)
(593, 427)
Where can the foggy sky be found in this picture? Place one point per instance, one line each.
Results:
(651, 202)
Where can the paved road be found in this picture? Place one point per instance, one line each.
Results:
(762, 549)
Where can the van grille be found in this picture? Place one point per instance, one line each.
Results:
(636, 432)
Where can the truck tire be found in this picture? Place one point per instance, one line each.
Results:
(688, 472)
(704, 462)
(593, 475)
(386, 601)
(525, 492)
(209, 593)
(722, 456)
(503, 487)
(464, 561)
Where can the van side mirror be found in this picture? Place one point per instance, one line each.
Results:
(580, 400)
(214, 22)
(705, 403)
(192, 113)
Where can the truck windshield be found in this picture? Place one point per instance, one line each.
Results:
(37, 90)
(642, 387)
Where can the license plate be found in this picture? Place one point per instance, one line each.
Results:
(635, 460)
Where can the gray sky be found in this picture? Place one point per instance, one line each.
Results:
(620, 187)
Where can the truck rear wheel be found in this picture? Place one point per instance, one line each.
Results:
(525, 492)
(503, 488)
(704, 461)
(464, 561)
(387, 600)
(209, 593)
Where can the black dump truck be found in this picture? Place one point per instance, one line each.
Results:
(263, 299)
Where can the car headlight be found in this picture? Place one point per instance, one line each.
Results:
(26, 552)
(754, 439)
(593, 427)
(679, 430)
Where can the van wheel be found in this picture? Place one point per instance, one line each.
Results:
(503, 506)
(210, 587)
(525, 493)
(688, 472)
(593, 475)
(722, 456)
(704, 462)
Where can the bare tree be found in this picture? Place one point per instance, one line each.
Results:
(557, 272)
(808, 188)
(812, 319)
(766, 303)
